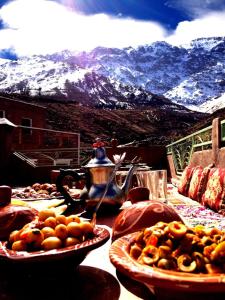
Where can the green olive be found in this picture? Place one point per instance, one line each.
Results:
(168, 243)
(207, 241)
(147, 234)
(139, 237)
(135, 251)
(161, 225)
(164, 251)
(148, 231)
(199, 258)
(150, 255)
(167, 264)
(217, 238)
(185, 263)
(212, 231)
(158, 232)
(218, 254)
(177, 229)
(208, 250)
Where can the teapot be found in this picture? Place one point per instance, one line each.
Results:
(99, 179)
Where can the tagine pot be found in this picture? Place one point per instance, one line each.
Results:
(12, 217)
(142, 214)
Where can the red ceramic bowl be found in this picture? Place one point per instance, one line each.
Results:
(70, 256)
(163, 283)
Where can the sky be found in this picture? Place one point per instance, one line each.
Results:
(34, 27)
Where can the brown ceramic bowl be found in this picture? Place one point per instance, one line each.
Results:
(163, 283)
(142, 214)
(69, 257)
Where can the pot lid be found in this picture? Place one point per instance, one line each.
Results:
(99, 157)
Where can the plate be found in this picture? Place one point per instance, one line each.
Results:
(75, 253)
(23, 193)
(166, 284)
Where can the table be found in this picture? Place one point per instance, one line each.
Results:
(95, 279)
(114, 284)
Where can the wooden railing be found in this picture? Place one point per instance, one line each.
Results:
(25, 137)
(206, 146)
(182, 150)
(40, 147)
(69, 157)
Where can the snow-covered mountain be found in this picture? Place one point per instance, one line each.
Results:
(190, 75)
(214, 104)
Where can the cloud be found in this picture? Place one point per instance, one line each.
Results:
(45, 27)
(196, 8)
(210, 25)
(40, 27)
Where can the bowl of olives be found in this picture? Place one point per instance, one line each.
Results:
(51, 240)
(173, 260)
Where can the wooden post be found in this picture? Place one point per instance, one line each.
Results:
(216, 139)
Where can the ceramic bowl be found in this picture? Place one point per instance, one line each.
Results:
(67, 257)
(142, 214)
(163, 283)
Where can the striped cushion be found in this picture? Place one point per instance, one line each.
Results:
(185, 180)
(214, 195)
(198, 182)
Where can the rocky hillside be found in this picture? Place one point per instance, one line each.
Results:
(146, 125)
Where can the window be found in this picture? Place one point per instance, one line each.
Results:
(26, 122)
(2, 114)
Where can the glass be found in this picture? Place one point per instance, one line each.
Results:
(140, 176)
(162, 185)
(156, 182)
(153, 179)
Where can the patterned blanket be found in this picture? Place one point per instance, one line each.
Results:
(192, 212)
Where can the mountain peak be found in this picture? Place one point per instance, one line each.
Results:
(188, 75)
(205, 43)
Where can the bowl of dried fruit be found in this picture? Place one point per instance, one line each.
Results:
(173, 260)
(51, 241)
